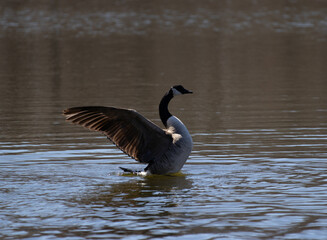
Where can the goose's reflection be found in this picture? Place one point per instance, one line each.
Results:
(133, 193)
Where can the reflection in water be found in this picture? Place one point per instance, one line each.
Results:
(138, 193)
(257, 118)
(129, 205)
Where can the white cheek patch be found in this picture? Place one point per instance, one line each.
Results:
(176, 92)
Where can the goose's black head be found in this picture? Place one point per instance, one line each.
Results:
(178, 90)
(163, 106)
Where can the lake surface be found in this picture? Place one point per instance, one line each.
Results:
(258, 118)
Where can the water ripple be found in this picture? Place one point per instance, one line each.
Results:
(130, 22)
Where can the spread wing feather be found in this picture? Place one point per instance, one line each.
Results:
(130, 131)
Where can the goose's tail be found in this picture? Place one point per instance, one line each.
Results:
(127, 170)
(136, 172)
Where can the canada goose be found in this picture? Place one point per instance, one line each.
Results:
(164, 150)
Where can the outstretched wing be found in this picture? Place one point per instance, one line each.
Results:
(130, 131)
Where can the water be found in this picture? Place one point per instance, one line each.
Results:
(257, 117)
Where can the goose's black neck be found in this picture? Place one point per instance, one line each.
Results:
(163, 107)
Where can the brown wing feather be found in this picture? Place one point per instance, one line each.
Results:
(130, 131)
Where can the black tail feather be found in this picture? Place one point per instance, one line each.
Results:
(127, 170)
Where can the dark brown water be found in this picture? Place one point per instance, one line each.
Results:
(258, 118)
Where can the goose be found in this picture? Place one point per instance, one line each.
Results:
(163, 150)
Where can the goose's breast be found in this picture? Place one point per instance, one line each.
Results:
(181, 129)
(184, 144)
(174, 158)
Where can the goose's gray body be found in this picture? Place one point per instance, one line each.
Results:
(176, 155)
(164, 150)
